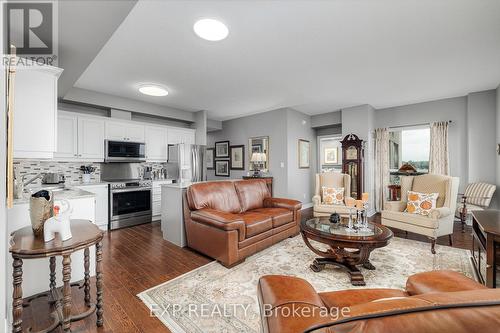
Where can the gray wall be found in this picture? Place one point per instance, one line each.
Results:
(326, 119)
(239, 130)
(497, 141)
(200, 125)
(284, 127)
(454, 109)
(481, 136)
(329, 130)
(300, 181)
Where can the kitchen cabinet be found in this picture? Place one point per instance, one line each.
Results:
(90, 138)
(35, 112)
(124, 131)
(80, 137)
(181, 135)
(101, 203)
(157, 197)
(67, 138)
(156, 143)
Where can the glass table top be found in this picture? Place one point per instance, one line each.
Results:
(325, 226)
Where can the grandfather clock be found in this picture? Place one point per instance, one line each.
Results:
(352, 163)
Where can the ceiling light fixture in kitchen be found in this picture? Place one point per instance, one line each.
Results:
(210, 29)
(153, 90)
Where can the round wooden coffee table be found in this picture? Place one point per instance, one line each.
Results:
(348, 249)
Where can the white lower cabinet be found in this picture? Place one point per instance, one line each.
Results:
(101, 203)
(156, 202)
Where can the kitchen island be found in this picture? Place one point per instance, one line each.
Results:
(172, 217)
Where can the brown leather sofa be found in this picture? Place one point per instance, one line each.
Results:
(433, 302)
(231, 220)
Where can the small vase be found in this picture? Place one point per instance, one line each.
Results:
(86, 178)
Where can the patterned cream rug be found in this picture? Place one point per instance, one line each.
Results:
(213, 298)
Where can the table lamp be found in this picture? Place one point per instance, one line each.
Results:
(258, 159)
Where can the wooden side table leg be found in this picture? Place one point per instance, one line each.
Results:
(17, 295)
(52, 266)
(66, 293)
(86, 284)
(98, 272)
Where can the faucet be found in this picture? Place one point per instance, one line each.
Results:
(39, 175)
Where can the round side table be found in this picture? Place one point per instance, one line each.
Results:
(24, 245)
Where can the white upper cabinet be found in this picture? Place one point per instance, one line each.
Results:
(90, 138)
(80, 137)
(67, 136)
(135, 133)
(156, 143)
(35, 112)
(181, 135)
(123, 131)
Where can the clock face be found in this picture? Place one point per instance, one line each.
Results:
(351, 153)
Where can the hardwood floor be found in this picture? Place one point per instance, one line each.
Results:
(136, 259)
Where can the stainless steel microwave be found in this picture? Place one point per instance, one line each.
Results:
(124, 151)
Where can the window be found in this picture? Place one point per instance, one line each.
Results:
(409, 145)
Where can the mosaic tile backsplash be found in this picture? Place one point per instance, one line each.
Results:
(71, 170)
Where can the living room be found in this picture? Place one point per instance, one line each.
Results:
(250, 166)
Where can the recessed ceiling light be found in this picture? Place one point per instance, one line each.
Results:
(153, 90)
(211, 29)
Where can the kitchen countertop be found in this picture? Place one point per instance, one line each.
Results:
(66, 193)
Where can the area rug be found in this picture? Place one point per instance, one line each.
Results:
(213, 298)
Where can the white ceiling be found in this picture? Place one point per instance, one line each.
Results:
(314, 56)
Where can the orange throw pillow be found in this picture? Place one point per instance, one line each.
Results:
(421, 203)
(333, 196)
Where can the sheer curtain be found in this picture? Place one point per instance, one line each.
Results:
(438, 156)
(381, 166)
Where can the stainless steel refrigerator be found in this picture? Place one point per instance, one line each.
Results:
(189, 161)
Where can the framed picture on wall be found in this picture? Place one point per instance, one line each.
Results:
(304, 154)
(209, 158)
(331, 155)
(222, 149)
(237, 157)
(222, 168)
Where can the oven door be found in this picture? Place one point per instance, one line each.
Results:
(124, 151)
(130, 206)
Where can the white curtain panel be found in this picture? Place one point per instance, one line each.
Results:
(381, 166)
(439, 156)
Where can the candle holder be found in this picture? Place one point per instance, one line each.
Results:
(350, 224)
(364, 224)
(359, 218)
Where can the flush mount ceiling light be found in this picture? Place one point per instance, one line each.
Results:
(153, 90)
(211, 29)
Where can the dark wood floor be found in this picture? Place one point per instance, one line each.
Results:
(136, 259)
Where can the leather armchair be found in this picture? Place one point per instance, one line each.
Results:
(440, 220)
(231, 220)
(432, 302)
(335, 180)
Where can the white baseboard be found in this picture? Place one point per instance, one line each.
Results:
(307, 205)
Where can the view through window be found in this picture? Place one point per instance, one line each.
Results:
(409, 145)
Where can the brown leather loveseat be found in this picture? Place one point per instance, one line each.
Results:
(433, 302)
(231, 220)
